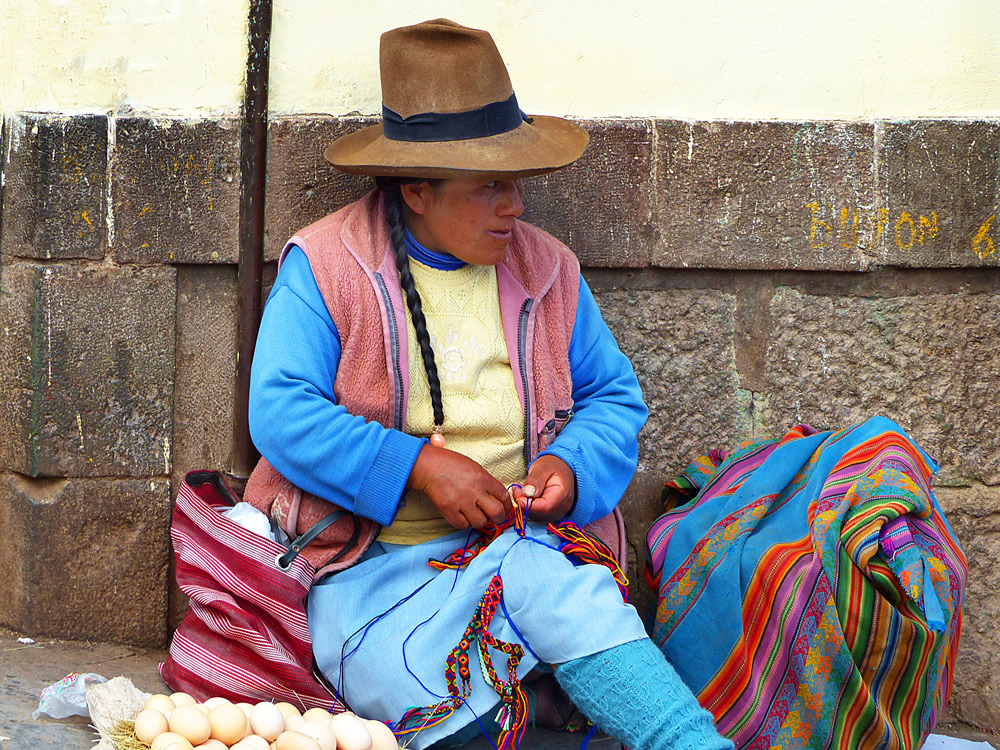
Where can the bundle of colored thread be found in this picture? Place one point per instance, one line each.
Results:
(577, 545)
(513, 715)
(585, 548)
(462, 557)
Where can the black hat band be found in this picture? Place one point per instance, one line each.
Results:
(426, 127)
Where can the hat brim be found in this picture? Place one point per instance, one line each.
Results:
(544, 145)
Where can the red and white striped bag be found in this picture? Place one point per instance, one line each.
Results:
(245, 635)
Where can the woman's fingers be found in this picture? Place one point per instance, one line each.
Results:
(492, 508)
(551, 485)
(502, 496)
(475, 516)
(485, 509)
(456, 518)
(463, 491)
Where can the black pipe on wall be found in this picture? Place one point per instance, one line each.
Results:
(253, 172)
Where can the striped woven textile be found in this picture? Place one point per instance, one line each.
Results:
(245, 635)
(810, 591)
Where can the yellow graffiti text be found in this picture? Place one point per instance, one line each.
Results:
(856, 224)
(982, 243)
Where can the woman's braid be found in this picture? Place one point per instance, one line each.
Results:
(394, 213)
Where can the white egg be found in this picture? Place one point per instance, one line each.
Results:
(382, 736)
(213, 702)
(229, 723)
(316, 714)
(161, 703)
(149, 724)
(295, 741)
(267, 721)
(320, 732)
(254, 742)
(287, 709)
(171, 741)
(293, 722)
(351, 733)
(182, 699)
(190, 723)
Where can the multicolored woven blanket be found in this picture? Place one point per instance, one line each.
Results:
(810, 590)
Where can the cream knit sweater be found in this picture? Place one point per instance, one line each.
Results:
(482, 413)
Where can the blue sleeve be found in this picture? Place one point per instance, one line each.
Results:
(601, 441)
(295, 420)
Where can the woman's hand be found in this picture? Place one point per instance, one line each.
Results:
(551, 485)
(462, 490)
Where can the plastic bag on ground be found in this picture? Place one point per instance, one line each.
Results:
(68, 697)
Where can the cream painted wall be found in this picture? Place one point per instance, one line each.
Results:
(176, 57)
(722, 59)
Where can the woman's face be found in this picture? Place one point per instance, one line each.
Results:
(471, 219)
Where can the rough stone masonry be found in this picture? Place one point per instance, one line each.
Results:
(758, 274)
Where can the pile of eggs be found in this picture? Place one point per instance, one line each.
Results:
(178, 722)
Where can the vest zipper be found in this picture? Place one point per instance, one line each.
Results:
(522, 347)
(394, 348)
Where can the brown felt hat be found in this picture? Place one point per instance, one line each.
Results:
(448, 110)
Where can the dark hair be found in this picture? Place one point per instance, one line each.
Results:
(390, 187)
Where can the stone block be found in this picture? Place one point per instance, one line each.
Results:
(87, 370)
(681, 344)
(85, 558)
(974, 516)
(204, 384)
(205, 375)
(926, 359)
(302, 187)
(176, 190)
(601, 205)
(764, 195)
(55, 186)
(938, 184)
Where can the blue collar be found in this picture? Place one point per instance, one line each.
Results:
(440, 261)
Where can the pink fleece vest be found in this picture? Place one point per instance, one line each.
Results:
(353, 263)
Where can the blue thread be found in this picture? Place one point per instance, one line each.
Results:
(586, 740)
(517, 632)
(343, 658)
(480, 723)
(503, 603)
(406, 664)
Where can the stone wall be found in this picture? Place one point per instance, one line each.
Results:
(758, 274)
(117, 356)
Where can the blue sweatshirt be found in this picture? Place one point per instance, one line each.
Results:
(296, 423)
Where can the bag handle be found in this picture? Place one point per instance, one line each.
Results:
(195, 480)
(284, 561)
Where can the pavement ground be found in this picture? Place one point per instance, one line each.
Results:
(29, 667)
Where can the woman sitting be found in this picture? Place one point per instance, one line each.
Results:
(421, 352)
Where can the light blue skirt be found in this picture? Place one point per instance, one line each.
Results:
(383, 628)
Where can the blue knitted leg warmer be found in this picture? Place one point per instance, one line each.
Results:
(634, 694)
